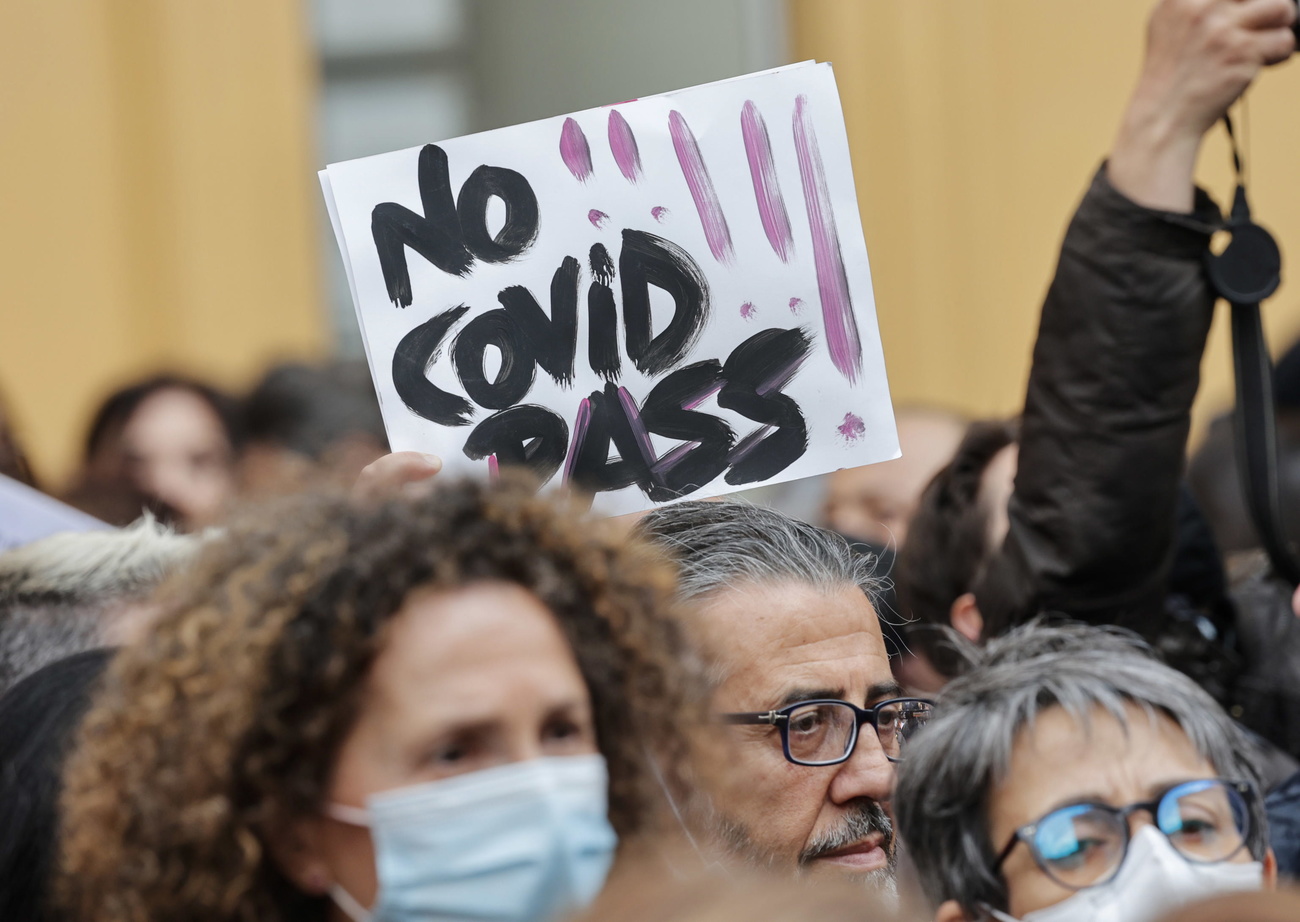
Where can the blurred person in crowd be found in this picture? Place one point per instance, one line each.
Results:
(781, 612)
(309, 426)
(1072, 776)
(428, 708)
(960, 521)
(1094, 517)
(169, 444)
(38, 719)
(13, 461)
(874, 503)
(1281, 905)
(79, 590)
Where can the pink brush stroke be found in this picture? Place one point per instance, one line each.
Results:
(574, 150)
(639, 432)
(579, 436)
(659, 212)
(696, 173)
(597, 218)
(494, 468)
(767, 187)
(832, 283)
(748, 310)
(622, 144)
(796, 305)
(853, 428)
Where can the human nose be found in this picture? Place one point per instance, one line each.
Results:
(866, 773)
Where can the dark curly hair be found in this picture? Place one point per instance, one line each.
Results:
(225, 722)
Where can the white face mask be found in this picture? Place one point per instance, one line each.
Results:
(1153, 880)
(524, 842)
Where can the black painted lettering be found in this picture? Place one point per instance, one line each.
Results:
(553, 340)
(513, 380)
(435, 235)
(647, 260)
(414, 355)
(527, 435)
(755, 372)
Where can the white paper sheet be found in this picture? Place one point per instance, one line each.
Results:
(746, 183)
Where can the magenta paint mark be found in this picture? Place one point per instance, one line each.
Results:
(696, 173)
(796, 306)
(748, 444)
(659, 213)
(781, 376)
(574, 150)
(579, 436)
(622, 144)
(597, 218)
(633, 414)
(767, 188)
(832, 284)
(853, 428)
(748, 310)
(694, 402)
(494, 469)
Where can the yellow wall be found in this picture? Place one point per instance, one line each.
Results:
(157, 201)
(975, 127)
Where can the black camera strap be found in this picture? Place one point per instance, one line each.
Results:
(1244, 274)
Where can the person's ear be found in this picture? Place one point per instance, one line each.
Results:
(966, 618)
(951, 911)
(1270, 870)
(290, 847)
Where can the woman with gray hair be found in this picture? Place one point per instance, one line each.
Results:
(1072, 776)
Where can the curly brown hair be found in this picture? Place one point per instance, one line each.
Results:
(225, 722)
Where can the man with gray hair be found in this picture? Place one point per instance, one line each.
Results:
(79, 590)
(781, 613)
(1069, 775)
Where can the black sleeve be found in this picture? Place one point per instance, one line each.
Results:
(1115, 369)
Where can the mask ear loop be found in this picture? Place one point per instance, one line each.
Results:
(709, 863)
(353, 816)
(348, 903)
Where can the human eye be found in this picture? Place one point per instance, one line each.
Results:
(808, 721)
(459, 752)
(567, 731)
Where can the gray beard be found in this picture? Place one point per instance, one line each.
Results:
(866, 818)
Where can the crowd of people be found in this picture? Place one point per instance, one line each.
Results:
(1024, 672)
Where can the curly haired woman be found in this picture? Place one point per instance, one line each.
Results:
(411, 706)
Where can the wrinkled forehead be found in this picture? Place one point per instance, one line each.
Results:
(766, 639)
(1100, 755)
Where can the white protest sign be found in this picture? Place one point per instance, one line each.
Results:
(663, 298)
(27, 515)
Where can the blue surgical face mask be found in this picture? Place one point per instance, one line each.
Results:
(524, 842)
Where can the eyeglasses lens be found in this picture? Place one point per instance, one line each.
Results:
(896, 722)
(1080, 845)
(823, 733)
(1206, 821)
(820, 733)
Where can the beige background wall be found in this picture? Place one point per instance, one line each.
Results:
(975, 127)
(158, 202)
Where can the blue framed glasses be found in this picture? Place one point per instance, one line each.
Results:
(1084, 845)
(824, 731)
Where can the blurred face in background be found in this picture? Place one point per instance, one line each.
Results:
(875, 503)
(174, 448)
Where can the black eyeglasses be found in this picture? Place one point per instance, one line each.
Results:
(824, 732)
(1084, 845)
